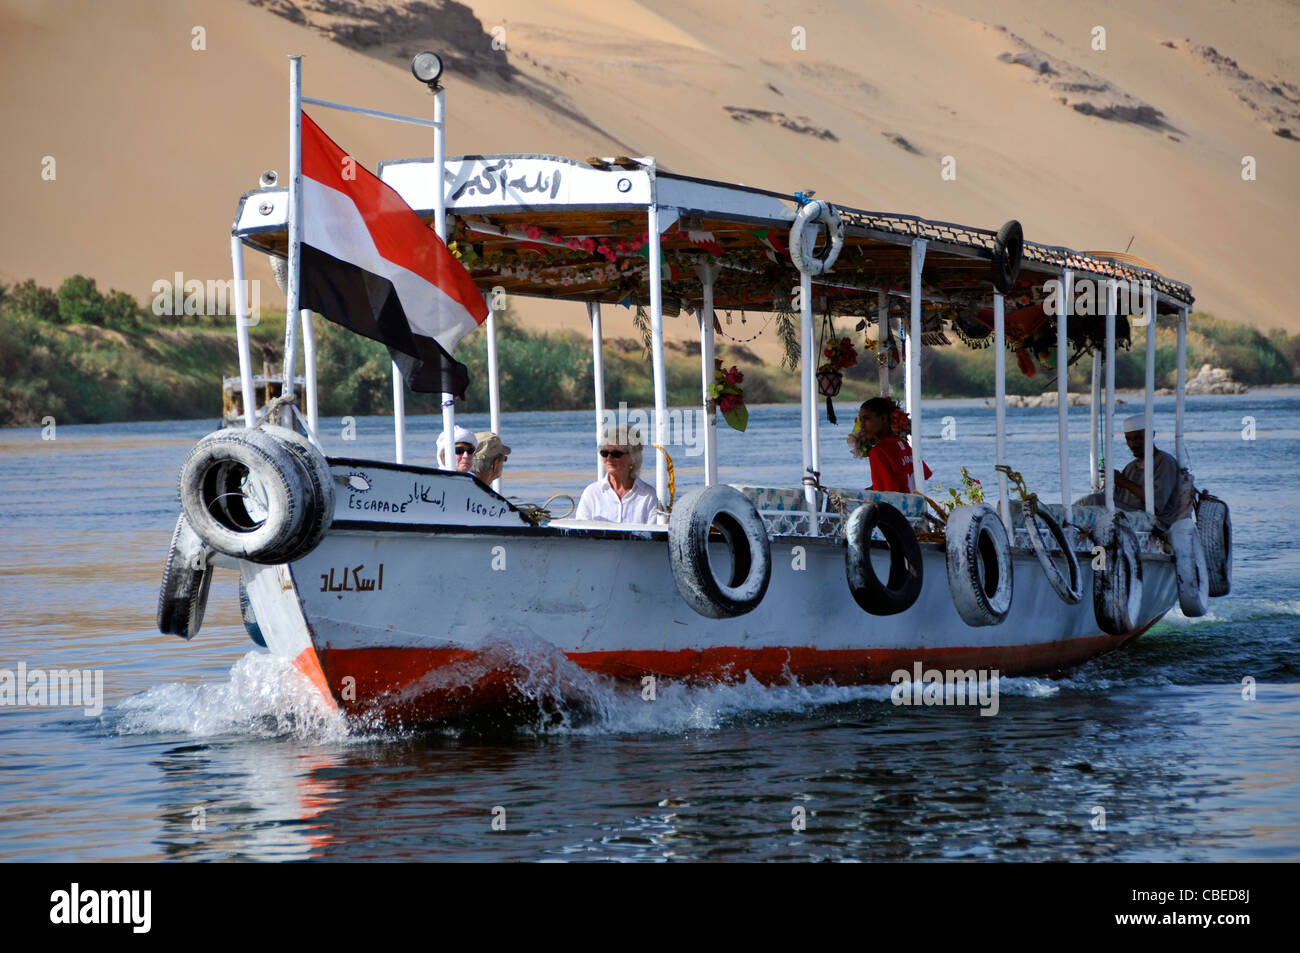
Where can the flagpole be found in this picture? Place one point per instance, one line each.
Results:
(440, 226)
(295, 223)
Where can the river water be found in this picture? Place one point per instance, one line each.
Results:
(214, 750)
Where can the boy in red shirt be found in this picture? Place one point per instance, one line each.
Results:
(890, 456)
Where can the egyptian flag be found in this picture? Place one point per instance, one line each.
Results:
(371, 265)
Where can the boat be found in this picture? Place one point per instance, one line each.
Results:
(390, 585)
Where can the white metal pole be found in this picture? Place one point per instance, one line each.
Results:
(295, 221)
(1148, 478)
(309, 363)
(657, 354)
(1000, 405)
(807, 405)
(1094, 413)
(1063, 389)
(708, 274)
(1109, 417)
(882, 335)
(914, 363)
(399, 416)
(494, 382)
(440, 226)
(598, 375)
(241, 333)
(1180, 451)
(810, 368)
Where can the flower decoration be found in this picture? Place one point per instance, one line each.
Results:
(729, 396)
(840, 354)
(972, 492)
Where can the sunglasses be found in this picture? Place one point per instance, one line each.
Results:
(464, 449)
(612, 453)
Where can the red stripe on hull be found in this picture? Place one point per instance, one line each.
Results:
(440, 684)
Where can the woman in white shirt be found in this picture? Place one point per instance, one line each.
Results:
(621, 497)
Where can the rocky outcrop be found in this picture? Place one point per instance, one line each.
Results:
(1214, 380)
(1045, 399)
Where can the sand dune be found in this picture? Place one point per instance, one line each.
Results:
(154, 141)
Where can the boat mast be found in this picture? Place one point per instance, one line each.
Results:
(1148, 442)
(295, 224)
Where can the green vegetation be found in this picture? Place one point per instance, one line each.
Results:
(84, 356)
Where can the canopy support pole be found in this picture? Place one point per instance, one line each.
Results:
(1180, 451)
(309, 363)
(598, 375)
(914, 364)
(1094, 413)
(241, 333)
(494, 380)
(657, 354)
(708, 274)
(882, 336)
(1000, 405)
(1109, 417)
(807, 409)
(1149, 438)
(1063, 389)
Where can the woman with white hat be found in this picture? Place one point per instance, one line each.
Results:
(466, 444)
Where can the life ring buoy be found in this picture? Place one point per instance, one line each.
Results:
(729, 512)
(801, 248)
(318, 502)
(251, 625)
(979, 564)
(1067, 585)
(1008, 247)
(1117, 586)
(1214, 526)
(243, 493)
(903, 587)
(187, 575)
(1190, 568)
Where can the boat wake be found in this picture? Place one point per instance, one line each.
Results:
(266, 697)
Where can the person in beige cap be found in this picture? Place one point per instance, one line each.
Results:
(490, 457)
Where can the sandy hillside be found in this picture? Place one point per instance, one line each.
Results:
(154, 141)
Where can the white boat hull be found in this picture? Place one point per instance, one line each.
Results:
(410, 618)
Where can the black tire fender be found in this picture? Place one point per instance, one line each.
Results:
(243, 493)
(187, 574)
(979, 564)
(729, 512)
(1214, 526)
(1069, 584)
(903, 587)
(1117, 587)
(1008, 247)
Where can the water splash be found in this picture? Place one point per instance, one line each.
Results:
(265, 696)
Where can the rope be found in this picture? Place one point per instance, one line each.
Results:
(271, 412)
